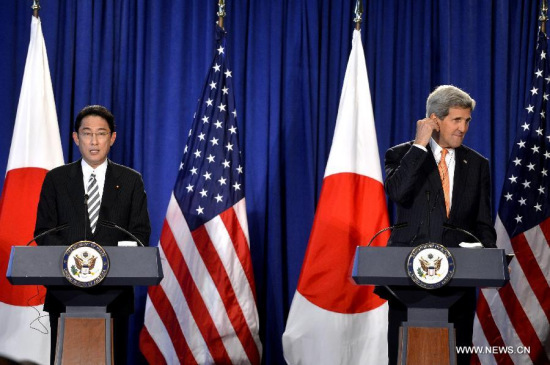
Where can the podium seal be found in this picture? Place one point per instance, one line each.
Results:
(430, 265)
(85, 264)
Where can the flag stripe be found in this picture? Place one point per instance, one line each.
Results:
(521, 323)
(532, 271)
(199, 276)
(198, 307)
(529, 302)
(481, 341)
(152, 353)
(536, 238)
(240, 243)
(215, 266)
(545, 227)
(491, 330)
(205, 283)
(171, 324)
(242, 275)
(502, 320)
(240, 212)
(207, 301)
(171, 287)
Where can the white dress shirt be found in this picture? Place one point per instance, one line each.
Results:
(449, 159)
(100, 172)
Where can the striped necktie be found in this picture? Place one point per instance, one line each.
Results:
(93, 201)
(444, 174)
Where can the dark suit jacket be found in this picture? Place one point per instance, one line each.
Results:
(124, 203)
(413, 183)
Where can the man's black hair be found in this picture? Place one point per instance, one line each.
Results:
(97, 110)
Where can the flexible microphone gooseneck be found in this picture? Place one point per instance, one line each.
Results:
(395, 226)
(436, 201)
(114, 225)
(430, 210)
(85, 215)
(450, 226)
(54, 229)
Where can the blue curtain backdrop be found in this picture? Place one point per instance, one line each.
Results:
(147, 61)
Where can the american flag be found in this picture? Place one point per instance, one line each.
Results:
(515, 318)
(204, 310)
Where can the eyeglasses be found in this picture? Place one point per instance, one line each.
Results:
(99, 135)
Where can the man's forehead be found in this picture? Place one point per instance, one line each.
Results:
(456, 110)
(457, 107)
(95, 122)
(98, 128)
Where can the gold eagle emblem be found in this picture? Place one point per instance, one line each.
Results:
(435, 265)
(85, 262)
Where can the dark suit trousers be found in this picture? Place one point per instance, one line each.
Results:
(120, 337)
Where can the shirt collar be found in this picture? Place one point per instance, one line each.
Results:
(436, 149)
(99, 171)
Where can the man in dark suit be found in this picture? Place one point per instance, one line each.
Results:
(119, 195)
(430, 191)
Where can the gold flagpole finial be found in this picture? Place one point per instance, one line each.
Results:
(358, 14)
(35, 7)
(221, 12)
(543, 17)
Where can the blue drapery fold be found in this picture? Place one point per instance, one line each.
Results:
(146, 61)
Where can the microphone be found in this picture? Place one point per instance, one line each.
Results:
(395, 226)
(430, 210)
(429, 215)
(455, 228)
(54, 229)
(85, 215)
(113, 225)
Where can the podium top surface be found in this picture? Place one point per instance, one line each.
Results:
(42, 265)
(486, 267)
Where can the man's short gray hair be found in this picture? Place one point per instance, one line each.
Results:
(445, 97)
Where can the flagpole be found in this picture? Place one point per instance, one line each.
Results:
(358, 14)
(543, 17)
(221, 12)
(35, 7)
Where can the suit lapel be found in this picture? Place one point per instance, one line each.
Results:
(460, 179)
(76, 191)
(75, 188)
(430, 168)
(110, 190)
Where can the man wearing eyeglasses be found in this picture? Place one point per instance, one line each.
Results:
(83, 194)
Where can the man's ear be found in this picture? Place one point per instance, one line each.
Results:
(75, 138)
(113, 137)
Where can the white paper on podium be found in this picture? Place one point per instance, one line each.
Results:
(127, 244)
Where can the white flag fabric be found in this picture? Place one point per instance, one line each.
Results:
(35, 149)
(332, 320)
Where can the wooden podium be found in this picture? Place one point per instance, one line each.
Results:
(84, 332)
(427, 337)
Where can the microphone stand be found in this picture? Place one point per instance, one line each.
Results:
(85, 216)
(450, 226)
(429, 215)
(58, 228)
(114, 225)
(396, 226)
